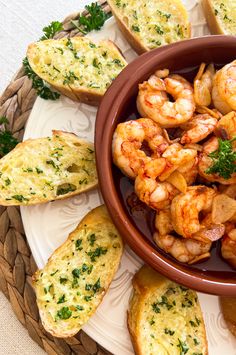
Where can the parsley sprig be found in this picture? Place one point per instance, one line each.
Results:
(42, 88)
(93, 21)
(7, 141)
(224, 159)
(51, 30)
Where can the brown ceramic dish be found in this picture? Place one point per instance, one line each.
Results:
(134, 221)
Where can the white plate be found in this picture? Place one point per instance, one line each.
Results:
(48, 225)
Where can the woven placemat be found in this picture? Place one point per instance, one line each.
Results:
(16, 261)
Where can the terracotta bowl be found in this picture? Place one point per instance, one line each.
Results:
(134, 221)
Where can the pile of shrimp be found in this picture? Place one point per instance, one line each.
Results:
(179, 127)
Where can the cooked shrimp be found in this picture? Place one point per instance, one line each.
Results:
(228, 247)
(198, 128)
(127, 143)
(176, 155)
(189, 170)
(205, 162)
(224, 88)
(153, 101)
(163, 222)
(203, 83)
(155, 194)
(185, 209)
(184, 250)
(226, 127)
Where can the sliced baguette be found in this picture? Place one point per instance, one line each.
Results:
(220, 16)
(74, 281)
(46, 169)
(228, 306)
(150, 24)
(77, 67)
(164, 318)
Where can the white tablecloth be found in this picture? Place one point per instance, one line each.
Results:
(21, 23)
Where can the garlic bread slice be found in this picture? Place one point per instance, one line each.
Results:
(77, 67)
(220, 16)
(46, 169)
(165, 318)
(150, 24)
(76, 277)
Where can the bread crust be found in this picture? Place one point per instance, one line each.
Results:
(97, 215)
(228, 306)
(211, 18)
(146, 282)
(25, 144)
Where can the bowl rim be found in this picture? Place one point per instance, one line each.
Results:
(104, 128)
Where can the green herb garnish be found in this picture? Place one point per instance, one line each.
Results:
(183, 347)
(96, 253)
(62, 190)
(61, 299)
(224, 159)
(78, 243)
(168, 331)
(93, 21)
(64, 313)
(155, 308)
(7, 141)
(135, 28)
(20, 198)
(41, 87)
(50, 30)
(63, 280)
(92, 238)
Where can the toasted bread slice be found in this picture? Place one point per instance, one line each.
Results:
(46, 169)
(220, 16)
(164, 318)
(150, 24)
(74, 281)
(228, 306)
(77, 67)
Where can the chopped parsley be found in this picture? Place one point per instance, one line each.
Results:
(7, 182)
(70, 78)
(159, 30)
(168, 331)
(78, 243)
(91, 239)
(76, 272)
(96, 253)
(223, 159)
(54, 273)
(182, 347)
(155, 308)
(19, 198)
(135, 28)
(61, 299)
(38, 170)
(47, 289)
(80, 308)
(64, 313)
(63, 280)
(65, 189)
(87, 298)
